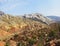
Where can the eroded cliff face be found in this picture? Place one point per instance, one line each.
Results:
(39, 17)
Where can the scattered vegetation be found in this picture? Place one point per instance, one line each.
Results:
(18, 31)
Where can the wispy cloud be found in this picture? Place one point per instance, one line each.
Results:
(9, 5)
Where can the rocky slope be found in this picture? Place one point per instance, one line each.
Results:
(21, 31)
(39, 17)
(15, 29)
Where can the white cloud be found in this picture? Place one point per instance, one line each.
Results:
(10, 7)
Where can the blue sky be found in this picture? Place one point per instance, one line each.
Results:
(17, 7)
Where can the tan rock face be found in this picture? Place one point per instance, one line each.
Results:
(4, 34)
(2, 43)
(12, 43)
(52, 43)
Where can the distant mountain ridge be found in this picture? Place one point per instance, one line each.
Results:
(39, 17)
(55, 18)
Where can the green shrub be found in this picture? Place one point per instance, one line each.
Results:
(7, 44)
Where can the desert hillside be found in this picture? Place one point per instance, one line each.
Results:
(20, 31)
(14, 25)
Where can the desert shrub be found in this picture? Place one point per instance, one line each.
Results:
(52, 34)
(31, 41)
(7, 44)
(20, 44)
